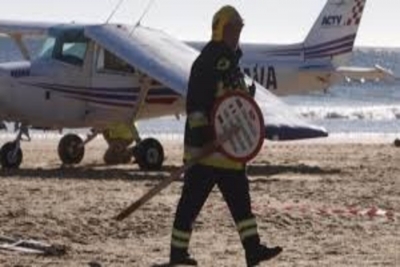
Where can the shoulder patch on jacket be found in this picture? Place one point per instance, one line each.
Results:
(223, 64)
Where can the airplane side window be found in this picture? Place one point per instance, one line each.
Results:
(70, 52)
(106, 61)
(73, 53)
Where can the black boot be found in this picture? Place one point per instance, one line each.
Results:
(261, 253)
(181, 257)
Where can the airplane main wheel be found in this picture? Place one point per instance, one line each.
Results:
(71, 149)
(149, 154)
(10, 158)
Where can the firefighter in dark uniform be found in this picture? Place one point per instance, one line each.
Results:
(214, 73)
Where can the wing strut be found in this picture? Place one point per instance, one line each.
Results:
(145, 84)
(21, 45)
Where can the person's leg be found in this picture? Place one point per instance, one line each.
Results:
(234, 186)
(198, 183)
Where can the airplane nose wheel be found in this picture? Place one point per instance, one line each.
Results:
(71, 149)
(11, 155)
(149, 154)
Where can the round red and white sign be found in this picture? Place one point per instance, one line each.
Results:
(237, 109)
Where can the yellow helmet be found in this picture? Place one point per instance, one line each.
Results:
(222, 17)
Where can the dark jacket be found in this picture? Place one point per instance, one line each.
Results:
(214, 72)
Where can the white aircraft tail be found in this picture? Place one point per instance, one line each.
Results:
(335, 31)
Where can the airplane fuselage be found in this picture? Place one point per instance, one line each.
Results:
(283, 69)
(53, 94)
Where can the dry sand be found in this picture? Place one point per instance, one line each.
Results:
(327, 204)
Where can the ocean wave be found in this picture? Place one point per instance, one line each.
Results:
(351, 113)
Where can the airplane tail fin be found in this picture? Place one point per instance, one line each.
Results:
(334, 33)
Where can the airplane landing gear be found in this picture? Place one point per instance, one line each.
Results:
(149, 154)
(71, 149)
(117, 153)
(11, 155)
(11, 152)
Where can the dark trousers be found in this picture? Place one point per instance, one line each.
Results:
(198, 183)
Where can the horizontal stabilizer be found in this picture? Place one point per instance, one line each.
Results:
(365, 74)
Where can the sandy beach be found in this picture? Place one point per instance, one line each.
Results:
(327, 203)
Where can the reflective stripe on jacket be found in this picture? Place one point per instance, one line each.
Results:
(215, 159)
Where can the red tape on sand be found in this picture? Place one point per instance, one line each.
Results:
(341, 212)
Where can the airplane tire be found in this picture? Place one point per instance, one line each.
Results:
(149, 154)
(71, 149)
(8, 160)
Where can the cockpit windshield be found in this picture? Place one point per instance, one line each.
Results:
(47, 48)
(66, 45)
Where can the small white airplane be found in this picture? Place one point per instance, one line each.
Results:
(98, 75)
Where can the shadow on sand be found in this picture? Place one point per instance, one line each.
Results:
(266, 170)
(104, 172)
(88, 172)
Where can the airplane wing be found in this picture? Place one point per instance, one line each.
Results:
(151, 51)
(281, 122)
(13, 28)
(169, 61)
